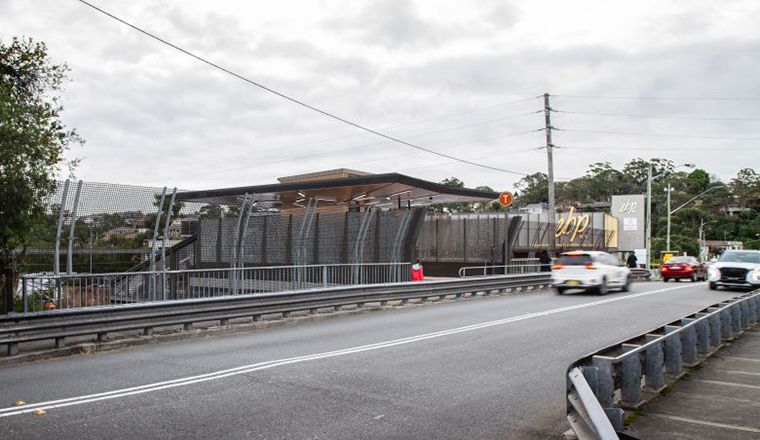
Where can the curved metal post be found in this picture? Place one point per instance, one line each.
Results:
(232, 279)
(61, 208)
(163, 242)
(159, 211)
(72, 225)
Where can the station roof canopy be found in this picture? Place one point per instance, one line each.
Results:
(342, 187)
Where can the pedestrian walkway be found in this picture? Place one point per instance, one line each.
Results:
(720, 400)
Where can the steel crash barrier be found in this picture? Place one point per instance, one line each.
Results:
(602, 385)
(99, 321)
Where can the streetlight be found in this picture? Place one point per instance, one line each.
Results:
(649, 207)
(687, 202)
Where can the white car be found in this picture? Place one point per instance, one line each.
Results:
(735, 269)
(591, 271)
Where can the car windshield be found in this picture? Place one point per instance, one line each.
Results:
(680, 260)
(741, 257)
(575, 260)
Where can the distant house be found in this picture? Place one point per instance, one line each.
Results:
(123, 232)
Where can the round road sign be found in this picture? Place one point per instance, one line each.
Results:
(506, 198)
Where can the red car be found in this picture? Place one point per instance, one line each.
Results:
(678, 268)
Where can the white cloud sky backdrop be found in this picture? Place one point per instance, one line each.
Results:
(441, 74)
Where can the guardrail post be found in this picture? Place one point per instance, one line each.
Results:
(606, 384)
(703, 335)
(689, 343)
(725, 323)
(324, 276)
(715, 327)
(736, 317)
(60, 342)
(745, 314)
(12, 349)
(630, 374)
(673, 361)
(654, 373)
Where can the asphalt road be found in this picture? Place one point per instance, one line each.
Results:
(490, 368)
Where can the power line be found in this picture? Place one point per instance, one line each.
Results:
(688, 118)
(290, 98)
(620, 133)
(674, 148)
(664, 98)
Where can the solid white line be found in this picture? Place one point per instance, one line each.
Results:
(16, 410)
(705, 423)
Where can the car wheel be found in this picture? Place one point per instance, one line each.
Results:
(665, 280)
(693, 278)
(627, 285)
(713, 286)
(602, 289)
(559, 290)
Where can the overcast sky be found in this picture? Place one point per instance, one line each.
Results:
(441, 74)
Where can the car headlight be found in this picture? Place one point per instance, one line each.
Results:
(753, 276)
(713, 273)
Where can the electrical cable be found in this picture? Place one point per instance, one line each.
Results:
(292, 99)
(688, 118)
(618, 133)
(664, 98)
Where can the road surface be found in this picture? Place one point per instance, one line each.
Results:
(490, 368)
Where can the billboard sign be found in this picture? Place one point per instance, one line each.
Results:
(630, 210)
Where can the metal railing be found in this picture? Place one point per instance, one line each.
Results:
(58, 325)
(602, 385)
(517, 266)
(50, 292)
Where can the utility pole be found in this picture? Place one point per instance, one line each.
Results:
(550, 174)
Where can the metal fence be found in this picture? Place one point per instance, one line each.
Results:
(600, 386)
(517, 266)
(50, 292)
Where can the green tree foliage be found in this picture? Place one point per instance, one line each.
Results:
(452, 207)
(33, 141)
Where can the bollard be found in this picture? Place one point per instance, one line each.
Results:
(12, 349)
(752, 306)
(187, 326)
(654, 373)
(148, 331)
(630, 372)
(60, 342)
(606, 385)
(224, 322)
(689, 343)
(102, 337)
(673, 361)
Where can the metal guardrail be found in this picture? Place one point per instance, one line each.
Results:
(519, 266)
(49, 292)
(602, 385)
(60, 324)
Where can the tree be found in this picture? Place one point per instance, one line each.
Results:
(746, 187)
(33, 141)
(451, 207)
(533, 188)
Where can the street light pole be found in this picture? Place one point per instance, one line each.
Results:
(667, 240)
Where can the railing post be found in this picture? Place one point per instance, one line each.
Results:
(61, 210)
(689, 343)
(630, 372)
(163, 242)
(23, 296)
(673, 361)
(324, 276)
(152, 287)
(703, 335)
(725, 323)
(736, 317)
(716, 327)
(606, 383)
(72, 225)
(653, 367)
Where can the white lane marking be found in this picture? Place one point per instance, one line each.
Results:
(706, 423)
(717, 382)
(751, 373)
(740, 358)
(14, 410)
